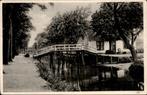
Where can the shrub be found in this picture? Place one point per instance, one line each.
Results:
(27, 55)
(54, 82)
(136, 71)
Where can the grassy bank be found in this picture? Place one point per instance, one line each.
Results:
(55, 83)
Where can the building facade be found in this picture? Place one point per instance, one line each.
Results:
(117, 46)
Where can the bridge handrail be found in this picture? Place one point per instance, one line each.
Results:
(64, 47)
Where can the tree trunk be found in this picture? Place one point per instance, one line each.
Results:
(123, 36)
(10, 49)
(129, 46)
(132, 39)
(5, 48)
(133, 52)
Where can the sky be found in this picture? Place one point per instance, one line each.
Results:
(42, 18)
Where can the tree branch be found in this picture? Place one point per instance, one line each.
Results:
(135, 35)
(120, 6)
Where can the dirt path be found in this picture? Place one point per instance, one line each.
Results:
(22, 76)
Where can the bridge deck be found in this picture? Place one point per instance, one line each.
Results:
(65, 47)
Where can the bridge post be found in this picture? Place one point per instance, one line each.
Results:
(84, 67)
(78, 63)
(51, 61)
(62, 67)
(59, 56)
(54, 62)
(99, 77)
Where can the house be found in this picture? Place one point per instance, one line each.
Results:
(118, 45)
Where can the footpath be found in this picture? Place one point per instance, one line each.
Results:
(21, 75)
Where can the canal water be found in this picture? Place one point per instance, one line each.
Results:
(83, 70)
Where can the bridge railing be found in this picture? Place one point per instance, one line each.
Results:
(64, 47)
(69, 47)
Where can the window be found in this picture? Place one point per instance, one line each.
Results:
(100, 45)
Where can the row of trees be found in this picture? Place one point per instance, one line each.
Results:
(113, 21)
(66, 28)
(16, 27)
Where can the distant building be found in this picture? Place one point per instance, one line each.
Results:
(117, 45)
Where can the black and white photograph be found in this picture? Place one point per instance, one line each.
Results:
(73, 46)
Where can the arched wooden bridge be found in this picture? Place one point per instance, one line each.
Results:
(65, 48)
(74, 63)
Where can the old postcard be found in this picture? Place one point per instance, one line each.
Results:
(73, 47)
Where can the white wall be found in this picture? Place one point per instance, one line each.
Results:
(92, 44)
(83, 41)
(120, 45)
(106, 45)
